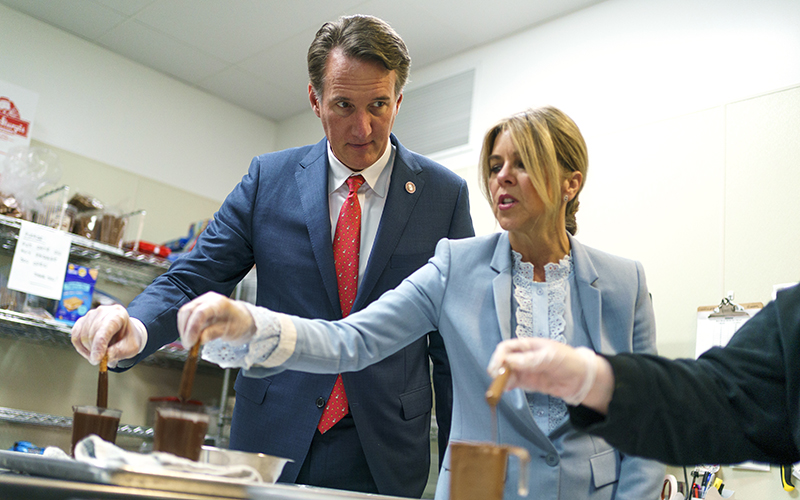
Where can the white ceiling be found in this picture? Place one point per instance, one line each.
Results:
(252, 52)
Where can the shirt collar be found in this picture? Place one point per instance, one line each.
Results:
(338, 172)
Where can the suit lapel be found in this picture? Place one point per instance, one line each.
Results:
(521, 417)
(396, 213)
(312, 185)
(586, 277)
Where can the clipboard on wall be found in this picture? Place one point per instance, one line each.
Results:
(717, 324)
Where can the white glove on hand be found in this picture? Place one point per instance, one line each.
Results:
(108, 328)
(214, 316)
(546, 366)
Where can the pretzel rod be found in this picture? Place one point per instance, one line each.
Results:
(498, 386)
(189, 369)
(102, 383)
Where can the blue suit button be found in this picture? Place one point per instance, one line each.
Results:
(320, 402)
(551, 460)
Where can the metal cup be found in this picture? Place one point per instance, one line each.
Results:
(478, 470)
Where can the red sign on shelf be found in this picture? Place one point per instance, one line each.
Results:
(10, 122)
(17, 108)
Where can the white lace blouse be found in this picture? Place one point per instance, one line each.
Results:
(548, 309)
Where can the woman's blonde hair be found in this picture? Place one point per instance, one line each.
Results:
(550, 146)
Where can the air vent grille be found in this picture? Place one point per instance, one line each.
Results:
(436, 116)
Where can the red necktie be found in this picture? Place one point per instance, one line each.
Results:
(346, 247)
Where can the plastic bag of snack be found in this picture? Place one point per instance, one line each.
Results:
(25, 172)
(85, 203)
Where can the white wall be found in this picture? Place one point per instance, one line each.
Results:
(299, 130)
(105, 107)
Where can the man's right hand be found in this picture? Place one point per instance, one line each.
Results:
(108, 328)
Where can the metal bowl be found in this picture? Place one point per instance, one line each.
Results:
(268, 466)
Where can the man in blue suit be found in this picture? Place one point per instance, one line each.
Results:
(281, 218)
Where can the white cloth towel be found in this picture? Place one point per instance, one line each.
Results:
(99, 453)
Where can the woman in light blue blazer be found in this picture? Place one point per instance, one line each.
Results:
(533, 279)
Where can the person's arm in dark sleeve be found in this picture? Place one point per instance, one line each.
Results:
(728, 406)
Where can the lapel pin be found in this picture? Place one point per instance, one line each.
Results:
(410, 187)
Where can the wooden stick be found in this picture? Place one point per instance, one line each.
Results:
(189, 369)
(497, 387)
(102, 383)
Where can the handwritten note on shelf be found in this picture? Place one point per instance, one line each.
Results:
(40, 261)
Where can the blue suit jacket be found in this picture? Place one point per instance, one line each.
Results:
(465, 292)
(277, 219)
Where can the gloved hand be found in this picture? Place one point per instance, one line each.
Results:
(547, 366)
(108, 328)
(214, 316)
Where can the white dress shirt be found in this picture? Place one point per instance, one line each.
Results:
(371, 197)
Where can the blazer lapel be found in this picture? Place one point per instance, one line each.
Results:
(312, 185)
(586, 277)
(501, 285)
(396, 212)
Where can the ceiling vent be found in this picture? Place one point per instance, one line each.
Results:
(436, 116)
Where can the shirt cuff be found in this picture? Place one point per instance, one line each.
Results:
(271, 345)
(268, 325)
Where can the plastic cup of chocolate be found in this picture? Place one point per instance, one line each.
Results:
(180, 432)
(88, 420)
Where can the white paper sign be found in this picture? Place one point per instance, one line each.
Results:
(40, 261)
(712, 332)
(17, 109)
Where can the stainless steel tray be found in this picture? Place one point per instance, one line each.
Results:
(195, 484)
(38, 465)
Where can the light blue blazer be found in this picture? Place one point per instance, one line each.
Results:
(465, 292)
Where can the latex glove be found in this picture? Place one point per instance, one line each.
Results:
(108, 328)
(214, 316)
(547, 366)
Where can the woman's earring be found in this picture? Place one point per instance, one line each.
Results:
(566, 197)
